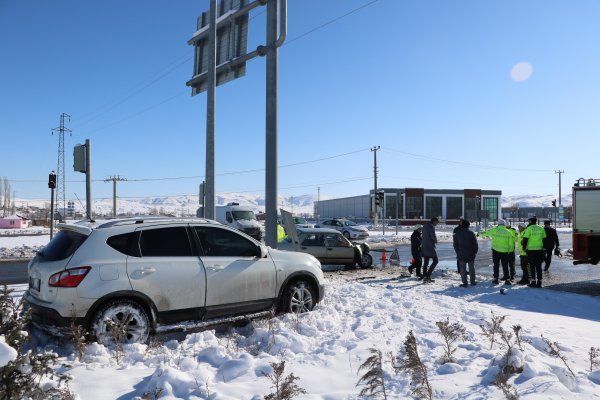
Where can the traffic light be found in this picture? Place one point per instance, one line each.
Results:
(553, 203)
(379, 198)
(52, 180)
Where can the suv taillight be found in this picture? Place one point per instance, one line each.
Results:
(68, 278)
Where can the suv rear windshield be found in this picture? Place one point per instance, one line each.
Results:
(63, 245)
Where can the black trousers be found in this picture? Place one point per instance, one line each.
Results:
(535, 259)
(511, 264)
(548, 257)
(524, 267)
(497, 258)
(426, 263)
(418, 262)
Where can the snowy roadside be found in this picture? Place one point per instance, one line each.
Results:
(324, 348)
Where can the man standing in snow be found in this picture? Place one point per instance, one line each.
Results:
(415, 250)
(503, 242)
(511, 255)
(428, 241)
(533, 243)
(466, 247)
(550, 243)
(523, 258)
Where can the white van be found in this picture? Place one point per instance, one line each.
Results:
(239, 217)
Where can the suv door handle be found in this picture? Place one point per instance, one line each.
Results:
(147, 270)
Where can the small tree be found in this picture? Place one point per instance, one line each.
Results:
(554, 350)
(412, 364)
(373, 379)
(492, 328)
(594, 358)
(451, 332)
(20, 378)
(285, 387)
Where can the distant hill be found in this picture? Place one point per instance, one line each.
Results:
(303, 204)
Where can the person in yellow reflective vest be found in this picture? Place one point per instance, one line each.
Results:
(533, 243)
(503, 243)
(523, 257)
(281, 235)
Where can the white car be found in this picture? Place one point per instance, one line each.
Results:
(149, 275)
(350, 229)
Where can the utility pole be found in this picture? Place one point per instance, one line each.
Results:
(560, 214)
(114, 180)
(318, 203)
(60, 170)
(374, 150)
(559, 186)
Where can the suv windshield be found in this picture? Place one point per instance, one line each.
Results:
(237, 215)
(299, 220)
(63, 245)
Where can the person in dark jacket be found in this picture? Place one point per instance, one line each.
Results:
(550, 244)
(459, 226)
(428, 241)
(415, 250)
(466, 247)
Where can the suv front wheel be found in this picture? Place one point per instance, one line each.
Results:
(298, 297)
(120, 320)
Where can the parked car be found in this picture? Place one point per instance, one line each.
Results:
(329, 247)
(148, 275)
(348, 228)
(300, 222)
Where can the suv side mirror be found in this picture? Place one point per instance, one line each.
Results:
(262, 251)
(228, 217)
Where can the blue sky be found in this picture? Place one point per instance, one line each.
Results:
(428, 81)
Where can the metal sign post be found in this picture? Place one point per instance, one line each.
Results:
(228, 32)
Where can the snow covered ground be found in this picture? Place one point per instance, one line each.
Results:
(362, 309)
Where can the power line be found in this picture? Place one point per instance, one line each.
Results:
(461, 163)
(329, 22)
(113, 105)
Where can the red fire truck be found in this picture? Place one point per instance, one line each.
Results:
(586, 221)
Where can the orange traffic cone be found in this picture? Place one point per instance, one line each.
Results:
(383, 256)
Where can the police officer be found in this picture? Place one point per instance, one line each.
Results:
(533, 243)
(503, 243)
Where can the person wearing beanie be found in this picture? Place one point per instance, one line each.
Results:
(428, 241)
(503, 243)
(533, 244)
(466, 247)
(550, 244)
(415, 251)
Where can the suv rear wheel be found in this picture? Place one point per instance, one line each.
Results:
(121, 320)
(298, 297)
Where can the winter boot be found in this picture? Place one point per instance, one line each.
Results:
(532, 283)
(538, 284)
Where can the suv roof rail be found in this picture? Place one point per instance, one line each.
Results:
(143, 219)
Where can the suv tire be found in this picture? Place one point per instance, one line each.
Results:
(130, 318)
(346, 234)
(298, 297)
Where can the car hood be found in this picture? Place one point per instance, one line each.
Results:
(358, 228)
(247, 223)
(294, 258)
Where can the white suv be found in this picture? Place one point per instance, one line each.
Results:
(149, 275)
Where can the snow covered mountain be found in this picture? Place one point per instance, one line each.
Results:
(188, 204)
